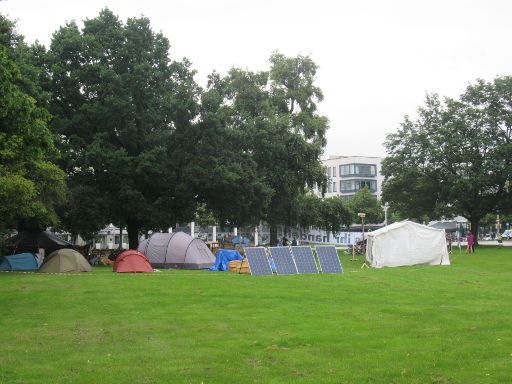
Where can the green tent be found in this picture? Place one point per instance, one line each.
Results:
(65, 261)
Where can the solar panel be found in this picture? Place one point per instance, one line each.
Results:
(329, 260)
(258, 261)
(285, 265)
(304, 259)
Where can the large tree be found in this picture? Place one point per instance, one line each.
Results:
(456, 158)
(30, 183)
(122, 110)
(365, 202)
(272, 122)
(224, 173)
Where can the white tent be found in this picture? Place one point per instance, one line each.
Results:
(406, 243)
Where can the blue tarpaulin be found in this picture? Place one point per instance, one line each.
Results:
(224, 256)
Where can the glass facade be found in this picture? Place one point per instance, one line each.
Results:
(347, 186)
(363, 170)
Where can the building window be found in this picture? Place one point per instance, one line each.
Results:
(329, 172)
(363, 170)
(334, 186)
(347, 186)
(333, 171)
(329, 189)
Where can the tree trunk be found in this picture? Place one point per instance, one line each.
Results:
(474, 228)
(133, 229)
(273, 235)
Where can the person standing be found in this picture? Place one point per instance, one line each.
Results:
(471, 242)
(294, 242)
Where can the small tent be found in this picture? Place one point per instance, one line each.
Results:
(176, 250)
(132, 261)
(406, 243)
(30, 241)
(19, 262)
(65, 261)
(448, 226)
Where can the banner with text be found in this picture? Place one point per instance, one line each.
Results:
(324, 237)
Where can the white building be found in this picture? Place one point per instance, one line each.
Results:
(109, 237)
(348, 174)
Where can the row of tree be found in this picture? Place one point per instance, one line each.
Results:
(455, 158)
(103, 126)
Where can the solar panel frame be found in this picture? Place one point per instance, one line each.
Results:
(283, 260)
(329, 260)
(258, 261)
(304, 259)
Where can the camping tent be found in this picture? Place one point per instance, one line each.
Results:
(132, 261)
(65, 261)
(176, 250)
(30, 241)
(19, 262)
(406, 243)
(448, 226)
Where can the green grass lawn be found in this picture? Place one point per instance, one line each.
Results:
(401, 325)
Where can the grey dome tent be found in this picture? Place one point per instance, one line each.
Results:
(176, 250)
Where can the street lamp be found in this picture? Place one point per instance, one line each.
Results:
(362, 215)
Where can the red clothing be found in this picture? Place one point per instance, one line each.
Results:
(471, 239)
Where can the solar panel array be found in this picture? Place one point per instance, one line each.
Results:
(258, 261)
(329, 260)
(304, 259)
(293, 260)
(283, 259)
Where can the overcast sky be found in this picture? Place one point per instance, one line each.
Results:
(377, 58)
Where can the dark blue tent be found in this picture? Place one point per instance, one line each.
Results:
(19, 262)
(224, 256)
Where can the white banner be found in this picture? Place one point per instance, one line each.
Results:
(323, 237)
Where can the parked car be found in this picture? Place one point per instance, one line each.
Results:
(507, 235)
(487, 237)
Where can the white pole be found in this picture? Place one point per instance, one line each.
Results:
(256, 236)
(235, 231)
(214, 233)
(169, 230)
(193, 229)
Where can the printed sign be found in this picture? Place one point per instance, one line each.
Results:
(323, 237)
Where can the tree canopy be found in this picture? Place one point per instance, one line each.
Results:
(365, 202)
(267, 126)
(31, 185)
(122, 109)
(456, 157)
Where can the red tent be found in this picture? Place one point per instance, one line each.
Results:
(132, 261)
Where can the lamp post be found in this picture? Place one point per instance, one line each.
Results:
(362, 215)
